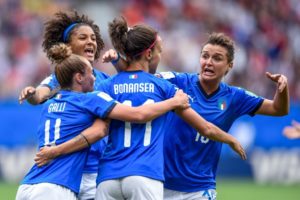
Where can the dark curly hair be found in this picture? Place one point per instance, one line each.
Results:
(54, 29)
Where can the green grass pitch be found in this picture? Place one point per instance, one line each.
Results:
(227, 190)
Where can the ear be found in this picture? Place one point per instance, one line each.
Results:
(148, 54)
(230, 65)
(78, 78)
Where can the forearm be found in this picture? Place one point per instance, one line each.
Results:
(89, 136)
(40, 95)
(151, 111)
(76, 144)
(144, 113)
(204, 127)
(281, 102)
(121, 65)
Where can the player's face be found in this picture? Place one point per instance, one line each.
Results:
(88, 79)
(156, 55)
(83, 42)
(214, 63)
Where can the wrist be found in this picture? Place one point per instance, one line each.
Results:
(174, 103)
(115, 61)
(56, 151)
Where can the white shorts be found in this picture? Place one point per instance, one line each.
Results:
(45, 191)
(130, 188)
(210, 194)
(87, 186)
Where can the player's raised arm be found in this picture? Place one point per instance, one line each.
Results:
(34, 95)
(280, 104)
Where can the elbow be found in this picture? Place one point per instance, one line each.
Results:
(208, 130)
(282, 111)
(141, 117)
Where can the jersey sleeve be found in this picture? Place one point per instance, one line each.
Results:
(50, 82)
(247, 102)
(99, 103)
(168, 89)
(176, 78)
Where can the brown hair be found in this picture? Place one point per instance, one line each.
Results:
(54, 29)
(224, 41)
(66, 64)
(131, 42)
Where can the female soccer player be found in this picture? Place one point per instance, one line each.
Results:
(65, 116)
(191, 159)
(83, 36)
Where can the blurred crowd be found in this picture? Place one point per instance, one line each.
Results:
(266, 34)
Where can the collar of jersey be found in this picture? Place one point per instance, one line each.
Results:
(204, 93)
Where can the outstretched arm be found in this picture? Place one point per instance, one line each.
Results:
(211, 131)
(148, 112)
(280, 104)
(97, 131)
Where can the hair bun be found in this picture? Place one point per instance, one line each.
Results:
(59, 53)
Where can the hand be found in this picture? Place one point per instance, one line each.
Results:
(182, 100)
(292, 132)
(280, 79)
(26, 93)
(237, 147)
(109, 56)
(45, 155)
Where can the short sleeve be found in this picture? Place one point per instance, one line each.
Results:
(168, 89)
(179, 79)
(50, 82)
(99, 103)
(247, 102)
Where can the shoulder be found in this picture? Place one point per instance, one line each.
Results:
(100, 74)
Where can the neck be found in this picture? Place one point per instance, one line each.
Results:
(138, 65)
(208, 86)
(75, 88)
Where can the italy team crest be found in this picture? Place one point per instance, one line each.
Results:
(222, 104)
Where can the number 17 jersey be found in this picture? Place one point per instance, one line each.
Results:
(135, 149)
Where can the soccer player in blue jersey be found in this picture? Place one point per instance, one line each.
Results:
(191, 159)
(83, 36)
(66, 115)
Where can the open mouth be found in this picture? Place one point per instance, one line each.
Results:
(89, 52)
(208, 72)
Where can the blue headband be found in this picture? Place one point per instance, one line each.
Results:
(68, 30)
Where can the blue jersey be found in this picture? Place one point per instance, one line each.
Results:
(64, 117)
(191, 159)
(93, 157)
(135, 149)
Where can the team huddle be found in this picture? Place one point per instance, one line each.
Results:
(138, 134)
